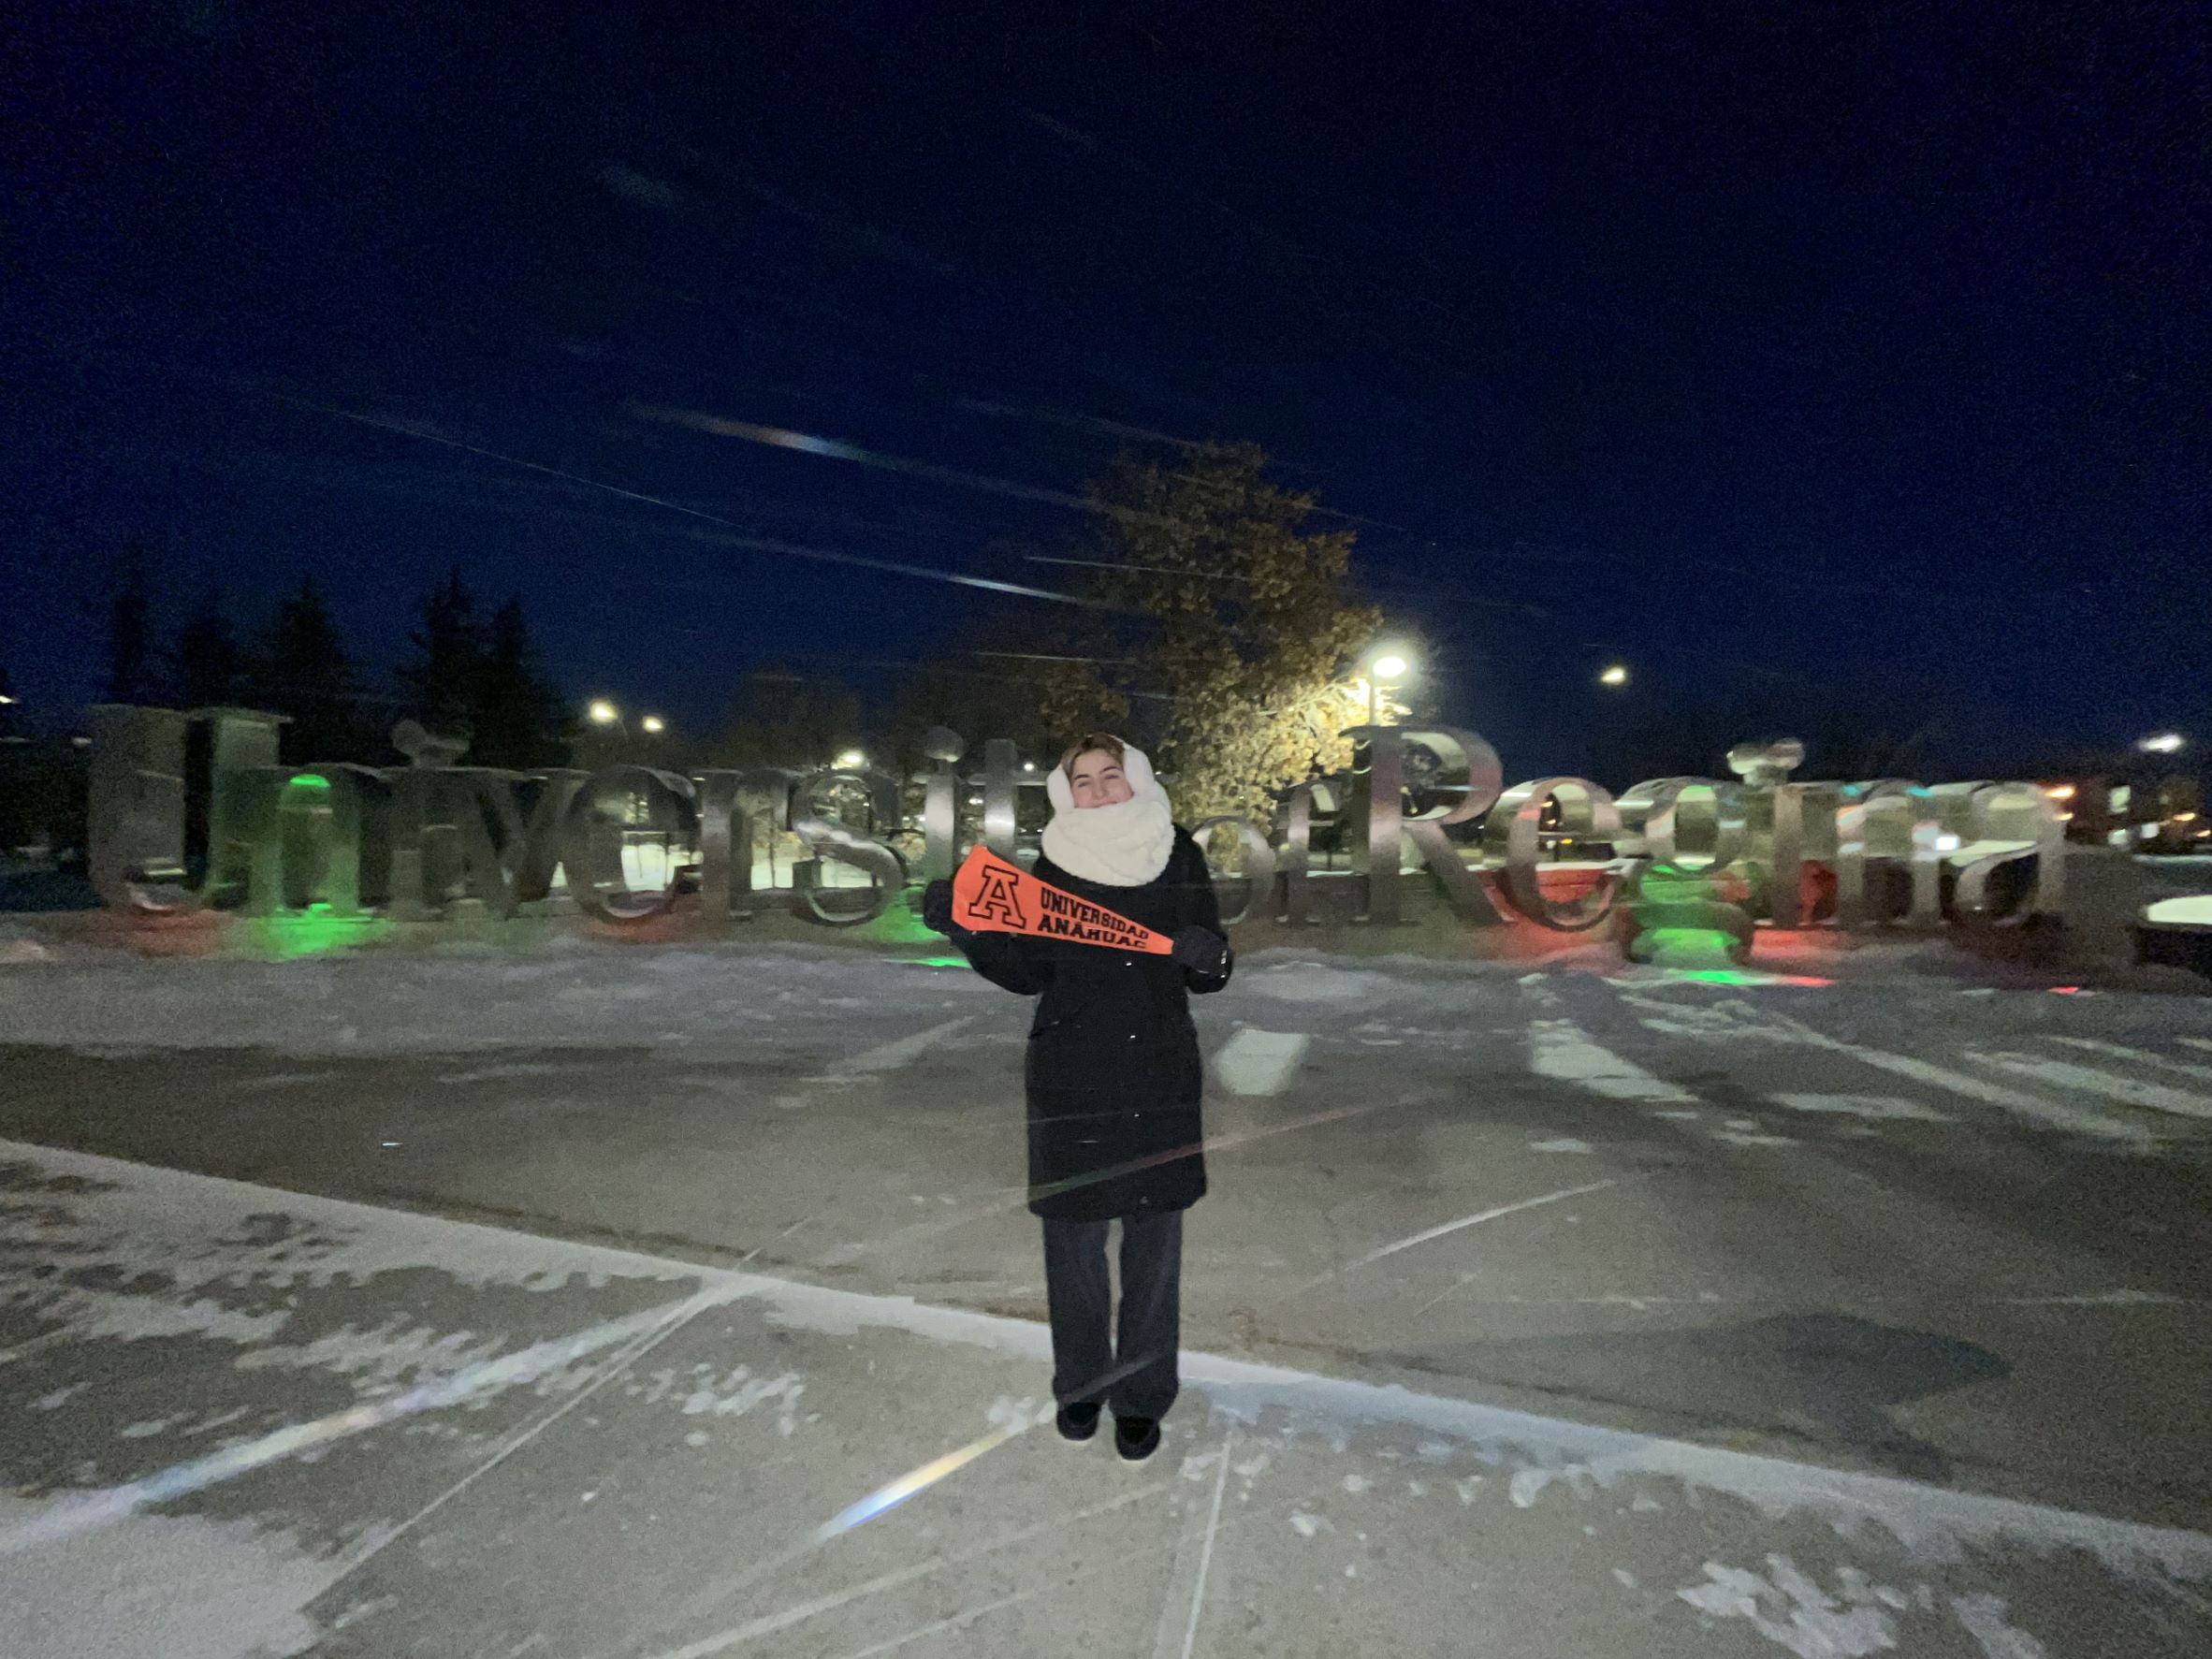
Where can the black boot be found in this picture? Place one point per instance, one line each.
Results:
(1136, 1437)
(1079, 1421)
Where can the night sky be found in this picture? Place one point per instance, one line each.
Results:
(1861, 354)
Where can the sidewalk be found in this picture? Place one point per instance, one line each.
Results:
(530, 1447)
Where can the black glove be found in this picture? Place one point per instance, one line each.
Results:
(1202, 950)
(937, 907)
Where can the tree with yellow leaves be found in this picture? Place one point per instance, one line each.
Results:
(1233, 617)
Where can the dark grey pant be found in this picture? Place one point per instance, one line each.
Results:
(1135, 1375)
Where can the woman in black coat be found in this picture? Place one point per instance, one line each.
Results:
(1113, 1080)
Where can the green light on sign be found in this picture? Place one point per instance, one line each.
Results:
(1670, 945)
(315, 931)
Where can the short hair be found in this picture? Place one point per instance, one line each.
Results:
(1093, 743)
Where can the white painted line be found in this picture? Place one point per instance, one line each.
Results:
(2056, 1114)
(890, 1057)
(1735, 1137)
(280, 1080)
(1257, 1062)
(1875, 1108)
(499, 1073)
(2135, 1056)
(1921, 1517)
(1475, 1220)
(2087, 1080)
(1728, 1022)
(1562, 1050)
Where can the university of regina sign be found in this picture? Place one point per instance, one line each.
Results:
(409, 842)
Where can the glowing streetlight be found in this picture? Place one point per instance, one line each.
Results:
(1616, 674)
(852, 759)
(1391, 665)
(2161, 743)
(653, 725)
(603, 713)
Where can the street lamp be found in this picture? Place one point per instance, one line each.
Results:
(1391, 665)
(1616, 674)
(852, 760)
(2161, 743)
(603, 713)
(654, 725)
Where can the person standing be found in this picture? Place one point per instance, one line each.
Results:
(1114, 1081)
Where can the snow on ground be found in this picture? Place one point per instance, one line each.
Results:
(567, 990)
(487, 1440)
(245, 1586)
(574, 994)
(1563, 1255)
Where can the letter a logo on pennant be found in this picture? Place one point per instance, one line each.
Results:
(989, 895)
(996, 900)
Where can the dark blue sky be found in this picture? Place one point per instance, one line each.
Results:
(1861, 353)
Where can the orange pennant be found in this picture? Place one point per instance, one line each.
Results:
(989, 895)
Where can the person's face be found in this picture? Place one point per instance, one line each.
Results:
(1097, 779)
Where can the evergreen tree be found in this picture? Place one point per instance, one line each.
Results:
(445, 680)
(206, 662)
(19, 782)
(519, 714)
(130, 634)
(305, 674)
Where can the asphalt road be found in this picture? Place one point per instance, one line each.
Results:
(1564, 1315)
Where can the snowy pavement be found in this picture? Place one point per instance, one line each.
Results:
(1553, 1315)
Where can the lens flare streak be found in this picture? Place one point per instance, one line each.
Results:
(886, 1498)
(755, 544)
(97, 1510)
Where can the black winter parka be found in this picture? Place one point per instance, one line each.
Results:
(1113, 1076)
